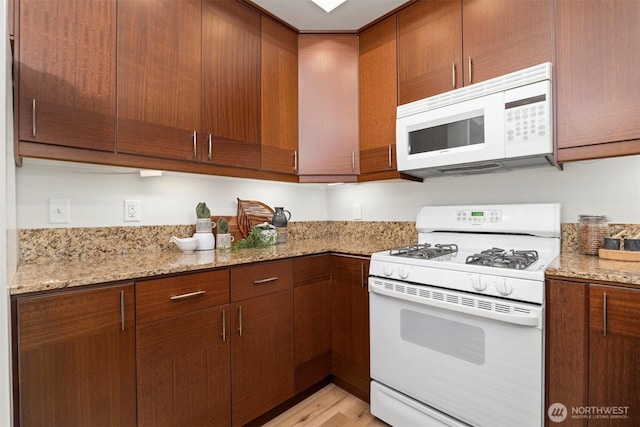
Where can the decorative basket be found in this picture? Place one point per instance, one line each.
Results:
(252, 213)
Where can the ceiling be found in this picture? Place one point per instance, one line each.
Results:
(351, 15)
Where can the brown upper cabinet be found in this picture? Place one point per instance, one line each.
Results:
(378, 97)
(596, 91)
(279, 98)
(189, 81)
(444, 45)
(231, 84)
(67, 96)
(159, 78)
(328, 107)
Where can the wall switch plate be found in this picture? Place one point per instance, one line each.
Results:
(132, 210)
(357, 211)
(59, 211)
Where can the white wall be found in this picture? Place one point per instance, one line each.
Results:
(97, 195)
(610, 187)
(8, 240)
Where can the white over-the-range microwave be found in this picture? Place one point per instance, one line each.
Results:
(497, 125)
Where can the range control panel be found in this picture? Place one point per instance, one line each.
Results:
(474, 216)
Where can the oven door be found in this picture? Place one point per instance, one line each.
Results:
(463, 357)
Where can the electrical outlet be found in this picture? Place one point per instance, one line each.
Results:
(132, 210)
(59, 211)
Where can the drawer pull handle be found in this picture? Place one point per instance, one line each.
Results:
(240, 320)
(604, 315)
(262, 281)
(33, 117)
(188, 295)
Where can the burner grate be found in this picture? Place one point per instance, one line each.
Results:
(424, 250)
(496, 257)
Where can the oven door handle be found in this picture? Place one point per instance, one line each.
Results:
(530, 320)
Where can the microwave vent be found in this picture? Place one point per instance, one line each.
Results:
(527, 76)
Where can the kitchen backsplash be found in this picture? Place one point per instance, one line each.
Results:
(98, 241)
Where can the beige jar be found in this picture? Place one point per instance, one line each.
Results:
(592, 229)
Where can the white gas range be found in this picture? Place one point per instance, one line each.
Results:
(457, 320)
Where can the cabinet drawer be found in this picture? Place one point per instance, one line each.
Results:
(172, 296)
(261, 279)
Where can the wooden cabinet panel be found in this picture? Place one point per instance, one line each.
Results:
(312, 320)
(67, 73)
(260, 279)
(614, 352)
(350, 324)
(444, 45)
(261, 354)
(567, 347)
(429, 49)
(184, 370)
(231, 84)
(596, 102)
(279, 97)
(328, 104)
(159, 78)
(378, 97)
(76, 358)
(171, 296)
(502, 36)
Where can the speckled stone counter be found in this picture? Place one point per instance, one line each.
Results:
(592, 268)
(56, 273)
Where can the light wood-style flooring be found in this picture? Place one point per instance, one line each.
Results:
(329, 407)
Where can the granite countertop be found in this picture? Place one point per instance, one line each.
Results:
(587, 268)
(57, 273)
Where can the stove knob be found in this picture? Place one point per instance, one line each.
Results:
(388, 270)
(476, 283)
(503, 287)
(403, 271)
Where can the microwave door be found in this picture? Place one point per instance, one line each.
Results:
(466, 132)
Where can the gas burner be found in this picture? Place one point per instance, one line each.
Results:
(424, 251)
(496, 257)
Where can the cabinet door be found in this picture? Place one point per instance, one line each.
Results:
(350, 324)
(378, 97)
(567, 348)
(429, 49)
(184, 370)
(76, 358)
(67, 73)
(328, 103)
(261, 354)
(159, 78)
(597, 101)
(279, 98)
(312, 320)
(614, 352)
(231, 84)
(502, 36)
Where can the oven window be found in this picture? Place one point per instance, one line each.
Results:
(450, 135)
(449, 337)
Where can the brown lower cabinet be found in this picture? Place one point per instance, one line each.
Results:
(216, 348)
(593, 348)
(183, 350)
(350, 324)
(75, 358)
(262, 338)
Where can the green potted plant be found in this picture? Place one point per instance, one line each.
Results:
(224, 238)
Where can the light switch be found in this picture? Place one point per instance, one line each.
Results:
(357, 211)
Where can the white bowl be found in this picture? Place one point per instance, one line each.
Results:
(188, 244)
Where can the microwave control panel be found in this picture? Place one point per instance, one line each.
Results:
(527, 120)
